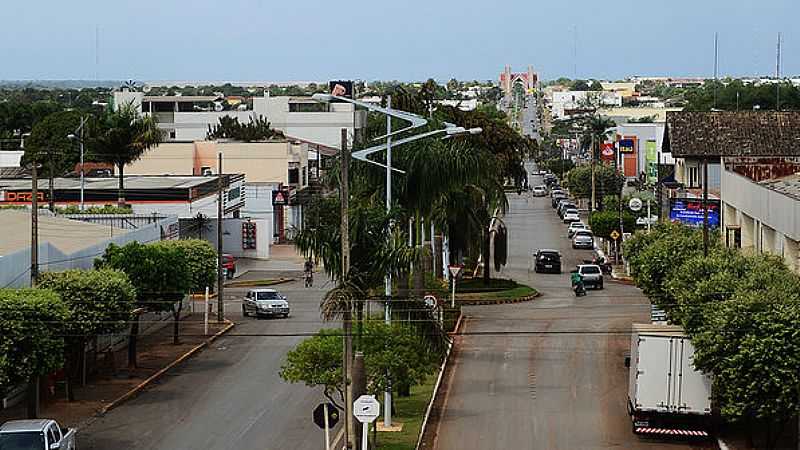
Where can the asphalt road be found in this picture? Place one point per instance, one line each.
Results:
(549, 374)
(229, 396)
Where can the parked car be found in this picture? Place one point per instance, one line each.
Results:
(554, 192)
(592, 275)
(571, 215)
(539, 191)
(546, 260)
(229, 264)
(557, 198)
(265, 302)
(575, 226)
(36, 434)
(563, 206)
(583, 239)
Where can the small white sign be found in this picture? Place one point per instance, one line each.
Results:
(635, 204)
(431, 301)
(455, 271)
(366, 408)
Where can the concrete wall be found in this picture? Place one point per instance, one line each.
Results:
(10, 158)
(15, 267)
(769, 221)
(319, 127)
(193, 126)
(167, 159)
(232, 238)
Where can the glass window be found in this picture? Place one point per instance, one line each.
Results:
(268, 296)
(590, 270)
(51, 435)
(22, 440)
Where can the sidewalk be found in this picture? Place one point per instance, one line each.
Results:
(112, 379)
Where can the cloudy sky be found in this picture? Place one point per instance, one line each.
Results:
(404, 40)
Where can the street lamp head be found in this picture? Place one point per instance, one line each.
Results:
(322, 98)
(476, 130)
(72, 137)
(454, 130)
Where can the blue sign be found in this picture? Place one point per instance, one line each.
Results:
(689, 211)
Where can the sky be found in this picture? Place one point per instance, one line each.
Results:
(316, 40)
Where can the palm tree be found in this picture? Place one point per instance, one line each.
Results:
(596, 129)
(121, 137)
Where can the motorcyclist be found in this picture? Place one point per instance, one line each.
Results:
(577, 281)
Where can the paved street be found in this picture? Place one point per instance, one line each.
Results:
(549, 375)
(228, 397)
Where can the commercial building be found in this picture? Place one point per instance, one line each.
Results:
(188, 118)
(268, 167)
(640, 149)
(568, 103)
(758, 158)
(181, 196)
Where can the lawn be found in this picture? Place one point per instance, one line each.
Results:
(410, 411)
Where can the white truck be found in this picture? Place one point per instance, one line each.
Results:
(667, 396)
(36, 434)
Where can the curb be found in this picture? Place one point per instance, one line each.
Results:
(624, 279)
(526, 298)
(424, 426)
(245, 284)
(141, 386)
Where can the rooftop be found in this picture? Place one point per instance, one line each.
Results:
(744, 133)
(788, 185)
(180, 98)
(21, 426)
(67, 235)
(112, 183)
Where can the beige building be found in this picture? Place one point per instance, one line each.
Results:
(266, 166)
(623, 88)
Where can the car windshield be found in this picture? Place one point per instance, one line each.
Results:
(548, 256)
(590, 270)
(572, 212)
(583, 234)
(22, 441)
(268, 296)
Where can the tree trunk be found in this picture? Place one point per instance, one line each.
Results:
(71, 366)
(132, 343)
(33, 398)
(402, 285)
(121, 191)
(176, 315)
(486, 255)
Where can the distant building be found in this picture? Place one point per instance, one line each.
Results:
(187, 118)
(568, 103)
(527, 80)
(623, 88)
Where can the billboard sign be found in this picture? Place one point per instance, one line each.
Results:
(341, 88)
(627, 145)
(651, 160)
(280, 198)
(689, 211)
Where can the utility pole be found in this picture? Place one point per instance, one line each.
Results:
(716, 65)
(34, 225)
(778, 75)
(705, 206)
(591, 149)
(347, 326)
(220, 274)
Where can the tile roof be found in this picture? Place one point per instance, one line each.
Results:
(745, 133)
(788, 186)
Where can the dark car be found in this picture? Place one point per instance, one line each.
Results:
(557, 198)
(547, 261)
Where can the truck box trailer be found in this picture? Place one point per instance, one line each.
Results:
(666, 395)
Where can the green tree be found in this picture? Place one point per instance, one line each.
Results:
(608, 181)
(202, 261)
(121, 137)
(99, 302)
(32, 342)
(579, 85)
(595, 86)
(160, 274)
(255, 130)
(604, 222)
(48, 145)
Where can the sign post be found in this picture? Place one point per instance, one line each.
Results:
(205, 314)
(455, 271)
(326, 416)
(366, 409)
(615, 235)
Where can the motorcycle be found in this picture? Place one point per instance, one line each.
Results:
(579, 289)
(308, 278)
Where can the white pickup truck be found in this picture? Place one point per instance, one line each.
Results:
(36, 434)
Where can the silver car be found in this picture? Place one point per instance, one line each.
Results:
(583, 239)
(591, 275)
(539, 191)
(265, 302)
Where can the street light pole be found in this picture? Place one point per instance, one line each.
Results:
(387, 395)
(79, 138)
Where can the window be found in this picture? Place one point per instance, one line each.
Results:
(693, 177)
(53, 435)
(590, 270)
(268, 296)
(308, 107)
(294, 175)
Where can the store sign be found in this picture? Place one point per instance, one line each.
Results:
(341, 88)
(689, 211)
(280, 198)
(21, 197)
(607, 151)
(627, 145)
(651, 160)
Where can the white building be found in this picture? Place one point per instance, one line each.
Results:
(187, 118)
(567, 103)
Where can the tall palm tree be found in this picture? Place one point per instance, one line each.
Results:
(596, 129)
(121, 137)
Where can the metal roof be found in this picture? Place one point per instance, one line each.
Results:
(112, 183)
(180, 98)
(788, 186)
